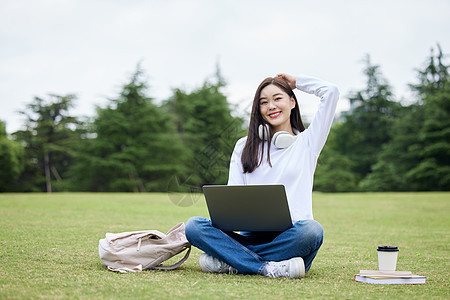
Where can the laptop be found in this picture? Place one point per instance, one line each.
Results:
(248, 207)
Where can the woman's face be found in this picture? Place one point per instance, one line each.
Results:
(275, 106)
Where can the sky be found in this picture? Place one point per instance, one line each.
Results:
(91, 48)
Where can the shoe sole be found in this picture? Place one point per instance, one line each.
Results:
(204, 262)
(296, 268)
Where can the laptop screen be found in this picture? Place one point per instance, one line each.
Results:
(248, 207)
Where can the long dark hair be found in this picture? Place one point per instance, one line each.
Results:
(251, 157)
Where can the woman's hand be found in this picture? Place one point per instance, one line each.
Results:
(291, 80)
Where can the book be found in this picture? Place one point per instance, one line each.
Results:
(394, 277)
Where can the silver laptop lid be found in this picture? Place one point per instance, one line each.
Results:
(248, 207)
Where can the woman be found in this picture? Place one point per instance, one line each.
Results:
(256, 160)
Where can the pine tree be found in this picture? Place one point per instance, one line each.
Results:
(49, 137)
(357, 141)
(135, 148)
(209, 132)
(417, 157)
(433, 144)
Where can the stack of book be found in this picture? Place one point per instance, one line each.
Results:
(385, 277)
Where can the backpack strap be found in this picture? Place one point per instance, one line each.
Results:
(176, 265)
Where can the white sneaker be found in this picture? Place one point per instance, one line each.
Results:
(210, 264)
(292, 268)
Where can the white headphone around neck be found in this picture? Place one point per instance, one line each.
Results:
(281, 139)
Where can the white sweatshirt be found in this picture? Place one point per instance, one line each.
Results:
(293, 166)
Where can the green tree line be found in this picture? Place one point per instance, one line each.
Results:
(131, 145)
(380, 145)
(135, 145)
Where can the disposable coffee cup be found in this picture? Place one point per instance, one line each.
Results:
(387, 258)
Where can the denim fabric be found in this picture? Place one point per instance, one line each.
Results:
(249, 252)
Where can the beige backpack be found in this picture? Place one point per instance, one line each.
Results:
(142, 250)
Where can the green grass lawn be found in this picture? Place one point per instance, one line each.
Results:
(48, 248)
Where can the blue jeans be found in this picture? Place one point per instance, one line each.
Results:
(249, 252)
